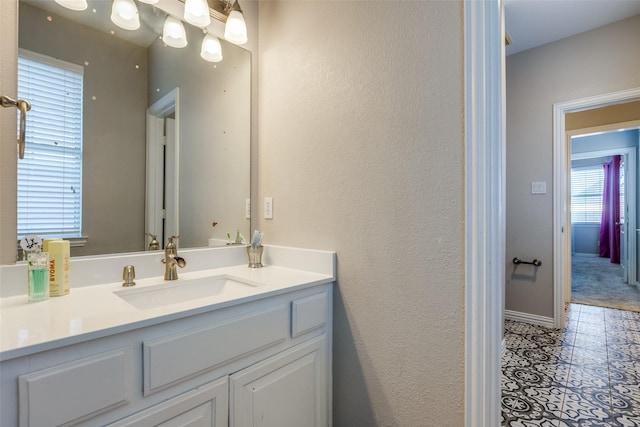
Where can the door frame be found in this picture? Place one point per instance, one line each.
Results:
(166, 106)
(561, 168)
(629, 154)
(485, 226)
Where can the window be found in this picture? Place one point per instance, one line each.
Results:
(587, 185)
(50, 175)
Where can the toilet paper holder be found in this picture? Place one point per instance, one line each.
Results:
(535, 262)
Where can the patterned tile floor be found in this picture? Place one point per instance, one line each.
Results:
(586, 375)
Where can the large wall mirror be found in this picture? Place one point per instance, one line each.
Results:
(125, 74)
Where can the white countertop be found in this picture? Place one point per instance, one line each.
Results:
(95, 311)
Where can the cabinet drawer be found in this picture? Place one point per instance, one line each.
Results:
(166, 362)
(309, 313)
(75, 390)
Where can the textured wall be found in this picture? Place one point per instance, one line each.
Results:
(596, 62)
(361, 147)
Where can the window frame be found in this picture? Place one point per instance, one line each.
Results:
(595, 218)
(64, 164)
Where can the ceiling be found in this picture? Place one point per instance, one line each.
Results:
(532, 23)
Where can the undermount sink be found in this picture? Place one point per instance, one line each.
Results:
(183, 290)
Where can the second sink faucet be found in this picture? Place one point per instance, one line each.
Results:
(171, 260)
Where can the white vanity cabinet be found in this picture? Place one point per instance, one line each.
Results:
(261, 363)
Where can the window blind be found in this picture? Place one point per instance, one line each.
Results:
(587, 185)
(50, 175)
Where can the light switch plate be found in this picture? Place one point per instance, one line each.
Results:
(268, 208)
(539, 187)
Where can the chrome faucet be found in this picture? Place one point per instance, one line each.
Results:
(171, 260)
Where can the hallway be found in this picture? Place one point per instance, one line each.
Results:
(586, 375)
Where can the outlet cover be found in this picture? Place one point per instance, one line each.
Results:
(268, 208)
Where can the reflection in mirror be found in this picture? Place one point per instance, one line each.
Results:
(122, 79)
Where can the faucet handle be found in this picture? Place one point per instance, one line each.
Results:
(154, 245)
(128, 274)
(171, 242)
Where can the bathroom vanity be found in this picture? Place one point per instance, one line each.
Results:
(256, 352)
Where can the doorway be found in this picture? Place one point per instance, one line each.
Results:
(163, 142)
(561, 169)
(603, 247)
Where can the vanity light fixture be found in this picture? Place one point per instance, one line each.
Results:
(235, 29)
(173, 33)
(196, 12)
(211, 49)
(73, 4)
(124, 14)
(148, 1)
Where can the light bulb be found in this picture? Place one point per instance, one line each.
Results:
(196, 12)
(211, 50)
(124, 14)
(73, 4)
(236, 30)
(173, 33)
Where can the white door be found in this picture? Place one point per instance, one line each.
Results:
(154, 207)
(624, 252)
(170, 180)
(628, 217)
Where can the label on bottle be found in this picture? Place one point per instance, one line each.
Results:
(59, 268)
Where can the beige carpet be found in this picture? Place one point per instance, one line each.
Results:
(596, 281)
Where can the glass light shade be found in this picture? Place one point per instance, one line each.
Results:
(196, 12)
(211, 50)
(73, 4)
(236, 30)
(148, 1)
(124, 14)
(173, 33)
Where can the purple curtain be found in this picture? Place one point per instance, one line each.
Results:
(609, 225)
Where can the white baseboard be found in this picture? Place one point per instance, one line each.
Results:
(534, 319)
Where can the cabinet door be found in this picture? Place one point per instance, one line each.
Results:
(205, 406)
(290, 389)
(75, 391)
